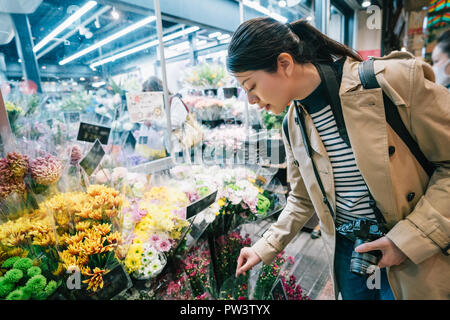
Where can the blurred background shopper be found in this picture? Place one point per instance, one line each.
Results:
(441, 60)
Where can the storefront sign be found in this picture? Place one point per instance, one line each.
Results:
(90, 132)
(145, 106)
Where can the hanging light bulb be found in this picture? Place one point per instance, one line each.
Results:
(115, 14)
(366, 4)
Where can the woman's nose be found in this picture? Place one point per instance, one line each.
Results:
(252, 99)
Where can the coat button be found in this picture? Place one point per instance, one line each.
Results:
(391, 150)
(410, 196)
(296, 163)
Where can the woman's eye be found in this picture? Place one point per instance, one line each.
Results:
(251, 89)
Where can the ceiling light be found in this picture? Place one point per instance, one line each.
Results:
(223, 37)
(97, 23)
(366, 4)
(44, 67)
(258, 7)
(82, 79)
(144, 46)
(115, 14)
(309, 18)
(113, 37)
(88, 6)
(180, 46)
(282, 3)
(214, 34)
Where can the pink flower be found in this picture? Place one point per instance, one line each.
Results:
(46, 170)
(164, 245)
(154, 238)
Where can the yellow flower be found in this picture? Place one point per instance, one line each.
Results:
(103, 229)
(221, 202)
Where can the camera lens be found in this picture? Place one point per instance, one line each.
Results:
(360, 262)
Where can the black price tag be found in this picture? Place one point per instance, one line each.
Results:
(72, 117)
(200, 205)
(278, 292)
(90, 132)
(130, 141)
(93, 158)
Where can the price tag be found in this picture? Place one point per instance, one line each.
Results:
(278, 292)
(200, 205)
(130, 141)
(91, 161)
(145, 106)
(72, 117)
(91, 132)
(154, 166)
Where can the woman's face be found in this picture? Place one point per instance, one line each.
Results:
(275, 91)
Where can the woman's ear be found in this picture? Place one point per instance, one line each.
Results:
(285, 64)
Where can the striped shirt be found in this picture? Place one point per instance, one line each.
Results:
(352, 193)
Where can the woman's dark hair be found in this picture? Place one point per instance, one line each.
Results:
(152, 84)
(444, 42)
(257, 43)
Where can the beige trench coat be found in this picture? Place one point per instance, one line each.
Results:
(421, 227)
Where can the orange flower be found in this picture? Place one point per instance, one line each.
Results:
(104, 229)
(114, 238)
(96, 280)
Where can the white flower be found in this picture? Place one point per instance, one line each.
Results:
(103, 176)
(127, 126)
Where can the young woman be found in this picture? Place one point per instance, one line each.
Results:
(352, 166)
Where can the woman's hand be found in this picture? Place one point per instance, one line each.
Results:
(247, 260)
(392, 255)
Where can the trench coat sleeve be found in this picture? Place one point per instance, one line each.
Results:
(298, 211)
(426, 230)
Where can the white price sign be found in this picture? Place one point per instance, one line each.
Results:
(145, 106)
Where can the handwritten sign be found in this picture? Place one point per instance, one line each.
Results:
(90, 132)
(200, 205)
(93, 158)
(145, 106)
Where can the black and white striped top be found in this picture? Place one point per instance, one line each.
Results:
(352, 194)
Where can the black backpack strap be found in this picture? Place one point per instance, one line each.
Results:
(369, 81)
(286, 129)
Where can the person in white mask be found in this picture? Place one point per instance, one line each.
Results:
(441, 59)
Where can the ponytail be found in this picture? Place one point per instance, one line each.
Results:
(257, 43)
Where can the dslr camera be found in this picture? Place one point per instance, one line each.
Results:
(361, 231)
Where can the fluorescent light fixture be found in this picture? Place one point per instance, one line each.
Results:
(282, 3)
(201, 42)
(309, 18)
(20, 60)
(214, 34)
(98, 84)
(84, 9)
(258, 7)
(112, 37)
(180, 46)
(82, 79)
(44, 67)
(223, 37)
(144, 46)
(366, 4)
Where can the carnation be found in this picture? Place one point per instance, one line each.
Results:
(46, 170)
